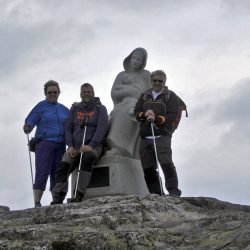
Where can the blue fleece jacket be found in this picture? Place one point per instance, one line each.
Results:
(49, 119)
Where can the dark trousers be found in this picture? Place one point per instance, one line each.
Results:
(148, 161)
(48, 156)
(67, 166)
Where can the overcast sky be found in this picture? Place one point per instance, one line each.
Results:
(203, 45)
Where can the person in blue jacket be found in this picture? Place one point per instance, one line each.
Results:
(49, 118)
(93, 116)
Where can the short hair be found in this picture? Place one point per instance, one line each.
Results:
(87, 85)
(51, 83)
(158, 72)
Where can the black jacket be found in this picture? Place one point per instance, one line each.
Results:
(166, 107)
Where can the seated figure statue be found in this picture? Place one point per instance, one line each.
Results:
(123, 136)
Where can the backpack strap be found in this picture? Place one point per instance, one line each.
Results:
(145, 95)
(98, 106)
(183, 106)
(168, 94)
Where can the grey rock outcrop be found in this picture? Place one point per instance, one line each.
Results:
(129, 222)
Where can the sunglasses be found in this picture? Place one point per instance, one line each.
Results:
(157, 80)
(52, 92)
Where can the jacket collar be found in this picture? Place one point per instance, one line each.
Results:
(164, 92)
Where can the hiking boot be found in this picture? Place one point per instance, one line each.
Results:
(55, 202)
(38, 204)
(37, 197)
(174, 192)
(78, 198)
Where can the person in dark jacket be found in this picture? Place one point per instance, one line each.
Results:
(159, 106)
(49, 117)
(93, 116)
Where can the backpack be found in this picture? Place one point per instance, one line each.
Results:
(183, 107)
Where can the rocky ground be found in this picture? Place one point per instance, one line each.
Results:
(129, 222)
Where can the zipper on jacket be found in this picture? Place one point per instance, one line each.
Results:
(60, 132)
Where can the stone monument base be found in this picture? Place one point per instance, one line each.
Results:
(116, 175)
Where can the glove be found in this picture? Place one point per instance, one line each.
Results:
(26, 128)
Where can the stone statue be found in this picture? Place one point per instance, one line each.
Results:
(123, 137)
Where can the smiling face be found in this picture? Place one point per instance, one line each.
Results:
(52, 94)
(158, 82)
(137, 59)
(87, 94)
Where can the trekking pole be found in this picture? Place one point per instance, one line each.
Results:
(79, 167)
(156, 157)
(31, 171)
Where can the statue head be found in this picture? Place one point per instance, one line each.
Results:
(136, 60)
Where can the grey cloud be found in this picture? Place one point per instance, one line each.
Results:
(25, 47)
(235, 108)
(223, 105)
(57, 35)
(71, 41)
(216, 163)
(13, 45)
(238, 135)
(226, 110)
(217, 169)
(236, 8)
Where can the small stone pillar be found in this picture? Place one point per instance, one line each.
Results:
(4, 209)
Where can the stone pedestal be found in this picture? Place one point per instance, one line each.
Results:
(116, 175)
